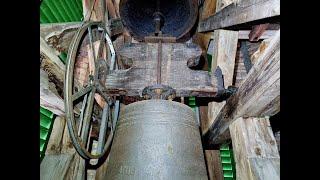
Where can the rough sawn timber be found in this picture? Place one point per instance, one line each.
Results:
(142, 60)
(239, 13)
(258, 95)
(255, 149)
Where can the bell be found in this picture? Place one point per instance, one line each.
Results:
(156, 139)
(178, 16)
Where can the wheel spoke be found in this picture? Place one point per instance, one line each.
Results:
(82, 92)
(103, 128)
(82, 113)
(87, 117)
(100, 90)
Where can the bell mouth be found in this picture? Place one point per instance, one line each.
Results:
(178, 17)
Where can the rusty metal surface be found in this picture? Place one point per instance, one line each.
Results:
(179, 16)
(156, 139)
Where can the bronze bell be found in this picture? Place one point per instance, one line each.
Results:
(156, 139)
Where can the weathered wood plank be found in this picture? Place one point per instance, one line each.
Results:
(242, 12)
(51, 63)
(224, 53)
(55, 167)
(223, 3)
(214, 164)
(208, 9)
(255, 149)
(49, 97)
(244, 34)
(258, 95)
(59, 35)
(141, 58)
(55, 141)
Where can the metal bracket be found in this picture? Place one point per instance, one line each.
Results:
(158, 91)
(223, 94)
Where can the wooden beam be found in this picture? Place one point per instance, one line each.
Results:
(258, 95)
(51, 63)
(255, 149)
(223, 3)
(55, 141)
(215, 171)
(224, 53)
(49, 97)
(208, 9)
(239, 13)
(59, 35)
(244, 34)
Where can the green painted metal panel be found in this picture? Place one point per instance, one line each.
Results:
(46, 123)
(57, 11)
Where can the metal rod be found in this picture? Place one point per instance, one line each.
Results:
(159, 62)
(103, 128)
(82, 92)
(82, 113)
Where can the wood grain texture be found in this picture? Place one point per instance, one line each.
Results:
(215, 171)
(55, 142)
(59, 35)
(242, 12)
(49, 97)
(255, 149)
(51, 63)
(55, 167)
(258, 95)
(142, 60)
(208, 9)
(224, 53)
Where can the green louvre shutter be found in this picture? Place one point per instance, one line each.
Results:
(46, 122)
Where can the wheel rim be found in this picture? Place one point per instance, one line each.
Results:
(80, 140)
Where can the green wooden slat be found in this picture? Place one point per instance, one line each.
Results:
(45, 121)
(72, 10)
(42, 143)
(43, 17)
(46, 112)
(225, 160)
(53, 9)
(66, 10)
(228, 174)
(59, 8)
(43, 133)
(48, 13)
(224, 153)
(227, 167)
(75, 6)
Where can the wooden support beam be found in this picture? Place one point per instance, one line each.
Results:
(51, 64)
(208, 9)
(255, 149)
(215, 171)
(59, 35)
(239, 13)
(257, 96)
(49, 97)
(224, 53)
(61, 160)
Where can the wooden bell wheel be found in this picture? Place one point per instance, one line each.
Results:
(82, 107)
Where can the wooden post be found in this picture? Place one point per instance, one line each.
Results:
(49, 97)
(59, 35)
(255, 149)
(224, 53)
(242, 12)
(257, 96)
(61, 160)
